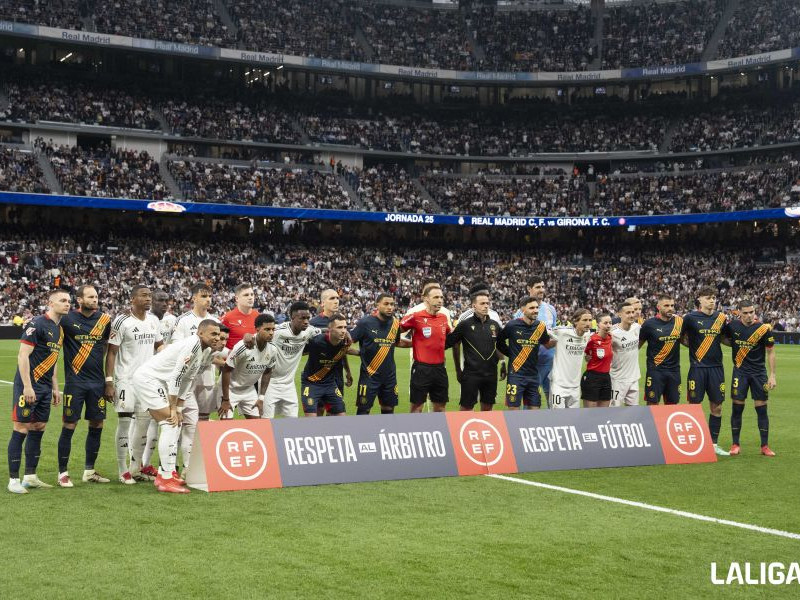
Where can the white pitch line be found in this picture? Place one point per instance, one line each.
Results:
(8, 382)
(671, 511)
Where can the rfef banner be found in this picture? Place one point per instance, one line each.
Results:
(264, 453)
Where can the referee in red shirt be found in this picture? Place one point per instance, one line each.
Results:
(596, 381)
(428, 373)
(242, 319)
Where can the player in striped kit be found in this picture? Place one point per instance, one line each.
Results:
(570, 345)
(625, 372)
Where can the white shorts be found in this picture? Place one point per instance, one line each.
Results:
(624, 393)
(124, 396)
(561, 398)
(280, 400)
(246, 402)
(190, 410)
(151, 394)
(206, 399)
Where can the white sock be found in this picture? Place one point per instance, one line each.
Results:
(168, 448)
(139, 440)
(123, 432)
(187, 440)
(152, 442)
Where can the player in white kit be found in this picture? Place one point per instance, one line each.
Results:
(625, 372)
(289, 341)
(134, 338)
(162, 384)
(244, 368)
(565, 376)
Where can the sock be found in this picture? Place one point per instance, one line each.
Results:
(387, 411)
(138, 440)
(763, 424)
(15, 453)
(92, 446)
(64, 449)
(123, 426)
(714, 425)
(736, 422)
(33, 449)
(152, 442)
(187, 441)
(362, 410)
(168, 448)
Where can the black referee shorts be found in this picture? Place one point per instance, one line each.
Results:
(427, 380)
(596, 387)
(474, 386)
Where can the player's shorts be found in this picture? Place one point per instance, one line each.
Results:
(38, 412)
(206, 399)
(742, 382)
(561, 398)
(596, 387)
(522, 389)
(280, 400)
(150, 394)
(624, 393)
(325, 396)
(706, 380)
(80, 395)
(125, 396)
(191, 412)
(428, 379)
(245, 402)
(369, 388)
(662, 384)
(475, 386)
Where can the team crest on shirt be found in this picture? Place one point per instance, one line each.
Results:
(601, 352)
(426, 331)
(30, 331)
(26, 412)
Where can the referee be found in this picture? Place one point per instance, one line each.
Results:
(478, 334)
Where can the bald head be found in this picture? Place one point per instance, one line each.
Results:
(329, 299)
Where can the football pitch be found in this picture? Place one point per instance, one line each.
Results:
(468, 537)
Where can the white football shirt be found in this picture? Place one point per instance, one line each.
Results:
(186, 326)
(289, 350)
(568, 358)
(176, 366)
(249, 365)
(135, 340)
(167, 324)
(625, 362)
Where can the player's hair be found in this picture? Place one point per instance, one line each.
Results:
(55, 291)
(298, 306)
(264, 318)
(602, 314)
(135, 289)
(83, 288)
(338, 317)
(525, 300)
(429, 286)
(746, 304)
(478, 294)
(427, 282)
(631, 300)
(662, 297)
(206, 323)
(578, 313)
(381, 296)
(478, 286)
(224, 329)
(625, 305)
(706, 291)
(322, 293)
(241, 287)
(197, 288)
(157, 292)
(533, 280)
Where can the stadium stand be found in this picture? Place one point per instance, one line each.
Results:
(19, 172)
(762, 26)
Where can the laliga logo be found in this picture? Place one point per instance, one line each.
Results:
(792, 211)
(164, 206)
(481, 442)
(241, 454)
(685, 433)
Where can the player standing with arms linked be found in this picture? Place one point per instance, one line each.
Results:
(35, 388)
(549, 316)
(326, 351)
(596, 382)
(520, 340)
(242, 319)
(570, 346)
(662, 334)
(625, 373)
(752, 342)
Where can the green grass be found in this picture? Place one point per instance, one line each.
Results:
(473, 537)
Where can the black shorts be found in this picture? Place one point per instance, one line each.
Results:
(38, 412)
(706, 380)
(428, 380)
(742, 382)
(662, 384)
(596, 387)
(369, 388)
(325, 396)
(473, 386)
(523, 389)
(78, 395)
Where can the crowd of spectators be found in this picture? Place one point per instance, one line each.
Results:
(390, 188)
(54, 13)
(20, 172)
(596, 276)
(377, 132)
(107, 173)
(761, 26)
(292, 188)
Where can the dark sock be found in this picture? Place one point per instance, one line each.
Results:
(387, 411)
(362, 410)
(92, 446)
(33, 449)
(763, 424)
(15, 453)
(714, 425)
(736, 422)
(64, 448)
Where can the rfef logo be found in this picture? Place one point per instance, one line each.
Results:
(684, 434)
(241, 454)
(482, 444)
